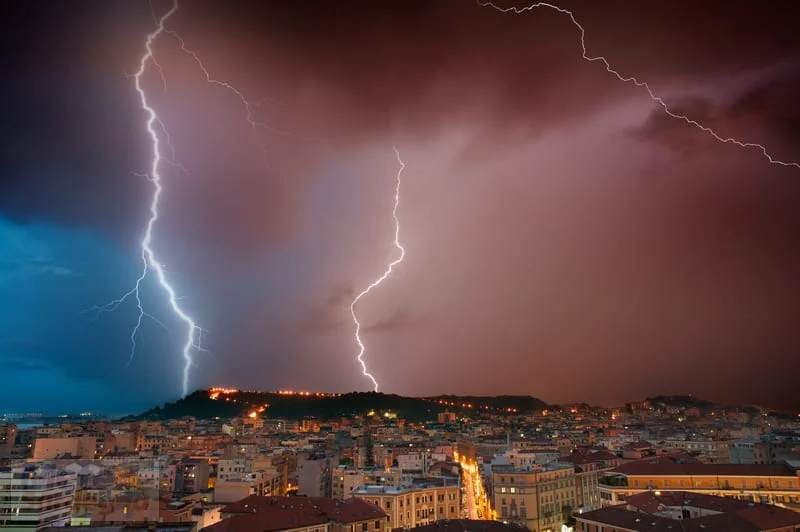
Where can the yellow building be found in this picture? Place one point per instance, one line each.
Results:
(412, 506)
(765, 483)
(540, 498)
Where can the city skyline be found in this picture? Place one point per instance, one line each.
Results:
(565, 238)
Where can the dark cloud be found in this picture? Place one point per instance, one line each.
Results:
(400, 319)
(766, 112)
(331, 314)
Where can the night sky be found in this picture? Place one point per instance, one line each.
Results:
(564, 238)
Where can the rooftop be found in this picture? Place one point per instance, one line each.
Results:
(675, 466)
(730, 515)
(282, 511)
(467, 525)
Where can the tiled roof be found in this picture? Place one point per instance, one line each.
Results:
(342, 511)
(733, 516)
(267, 521)
(466, 525)
(672, 466)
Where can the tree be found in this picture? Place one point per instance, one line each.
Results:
(567, 515)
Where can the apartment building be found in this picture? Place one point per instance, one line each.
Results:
(346, 479)
(648, 512)
(314, 475)
(8, 436)
(410, 506)
(713, 451)
(763, 483)
(57, 446)
(33, 498)
(540, 498)
(188, 475)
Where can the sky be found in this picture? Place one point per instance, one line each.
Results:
(564, 237)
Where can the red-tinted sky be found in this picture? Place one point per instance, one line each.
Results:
(564, 238)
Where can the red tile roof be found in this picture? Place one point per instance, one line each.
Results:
(466, 525)
(342, 511)
(267, 521)
(672, 466)
(650, 503)
(734, 515)
(591, 457)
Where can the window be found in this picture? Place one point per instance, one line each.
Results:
(377, 525)
(389, 504)
(364, 527)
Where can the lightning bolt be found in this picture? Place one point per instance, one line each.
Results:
(636, 82)
(149, 259)
(386, 273)
(150, 262)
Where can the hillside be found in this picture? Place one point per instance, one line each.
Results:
(205, 404)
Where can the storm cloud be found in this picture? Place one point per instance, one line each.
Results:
(561, 232)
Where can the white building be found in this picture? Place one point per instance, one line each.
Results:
(416, 462)
(33, 498)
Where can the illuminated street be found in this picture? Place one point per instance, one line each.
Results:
(476, 504)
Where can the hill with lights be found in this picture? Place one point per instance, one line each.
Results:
(228, 403)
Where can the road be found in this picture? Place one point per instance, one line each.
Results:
(476, 503)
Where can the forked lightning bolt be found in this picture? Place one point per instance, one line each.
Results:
(386, 273)
(635, 81)
(149, 260)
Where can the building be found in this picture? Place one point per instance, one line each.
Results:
(764, 483)
(314, 475)
(188, 475)
(713, 451)
(590, 467)
(8, 436)
(750, 452)
(128, 527)
(413, 506)
(259, 483)
(33, 498)
(346, 479)
(416, 462)
(59, 447)
(690, 512)
(468, 525)
(300, 514)
(446, 417)
(540, 498)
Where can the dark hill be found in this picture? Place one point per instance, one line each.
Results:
(203, 404)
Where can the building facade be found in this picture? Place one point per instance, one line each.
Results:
(761, 483)
(540, 499)
(412, 506)
(32, 498)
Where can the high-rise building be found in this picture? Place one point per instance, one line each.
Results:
(32, 498)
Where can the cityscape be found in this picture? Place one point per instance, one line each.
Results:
(657, 464)
(374, 266)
